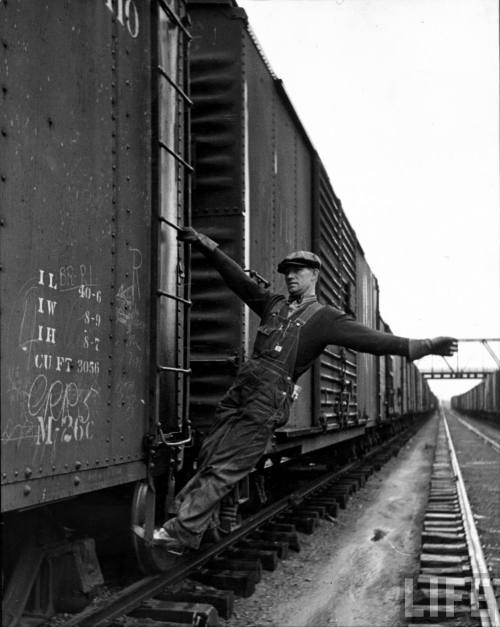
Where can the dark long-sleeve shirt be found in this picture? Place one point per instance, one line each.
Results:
(327, 326)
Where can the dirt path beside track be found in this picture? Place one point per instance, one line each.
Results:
(351, 573)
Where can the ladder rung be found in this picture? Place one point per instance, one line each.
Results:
(176, 156)
(178, 298)
(175, 18)
(174, 226)
(178, 89)
(172, 369)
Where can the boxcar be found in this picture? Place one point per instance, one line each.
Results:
(387, 367)
(103, 367)
(370, 385)
(94, 173)
(481, 400)
(262, 190)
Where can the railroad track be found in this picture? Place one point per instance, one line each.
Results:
(202, 586)
(454, 581)
(494, 443)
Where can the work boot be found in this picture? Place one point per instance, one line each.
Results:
(161, 538)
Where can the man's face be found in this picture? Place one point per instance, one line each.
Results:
(300, 280)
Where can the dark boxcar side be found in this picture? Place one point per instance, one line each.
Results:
(387, 378)
(75, 254)
(397, 387)
(260, 191)
(367, 365)
(280, 206)
(335, 241)
(245, 146)
(483, 399)
(219, 323)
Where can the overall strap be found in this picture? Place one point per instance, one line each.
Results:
(301, 317)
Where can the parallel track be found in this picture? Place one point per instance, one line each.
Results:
(494, 443)
(454, 579)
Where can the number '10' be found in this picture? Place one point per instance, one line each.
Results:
(126, 14)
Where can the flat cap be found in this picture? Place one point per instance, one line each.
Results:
(302, 258)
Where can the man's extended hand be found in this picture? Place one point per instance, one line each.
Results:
(190, 236)
(445, 346)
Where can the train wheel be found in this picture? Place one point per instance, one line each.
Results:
(151, 559)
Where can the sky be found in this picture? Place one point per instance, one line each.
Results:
(401, 100)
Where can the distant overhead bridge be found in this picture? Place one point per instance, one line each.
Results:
(457, 372)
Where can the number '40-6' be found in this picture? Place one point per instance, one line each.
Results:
(86, 292)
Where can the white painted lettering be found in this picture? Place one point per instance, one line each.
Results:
(40, 280)
(50, 337)
(132, 22)
(63, 411)
(50, 334)
(126, 14)
(51, 306)
(43, 362)
(119, 11)
(51, 281)
(63, 363)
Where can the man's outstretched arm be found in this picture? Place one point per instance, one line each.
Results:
(255, 296)
(339, 328)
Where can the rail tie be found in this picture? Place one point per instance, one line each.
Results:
(202, 586)
(453, 579)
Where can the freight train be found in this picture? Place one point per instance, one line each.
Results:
(483, 400)
(123, 121)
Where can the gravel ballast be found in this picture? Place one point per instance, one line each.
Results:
(351, 572)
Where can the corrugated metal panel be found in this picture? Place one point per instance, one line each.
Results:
(404, 387)
(411, 389)
(388, 375)
(279, 187)
(483, 398)
(367, 314)
(246, 144)
(336, 245)
(74, 248)
(218, 321)
(398, 389)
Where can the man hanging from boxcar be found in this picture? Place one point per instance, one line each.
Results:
(294, 331)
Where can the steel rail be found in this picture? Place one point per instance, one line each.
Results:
(491, 617)
(129, 598)
(132, 596)
(494, 443)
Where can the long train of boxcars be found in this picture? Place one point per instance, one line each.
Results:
(122, 119)
(483, 400)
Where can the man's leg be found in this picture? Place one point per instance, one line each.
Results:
(228, 455)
